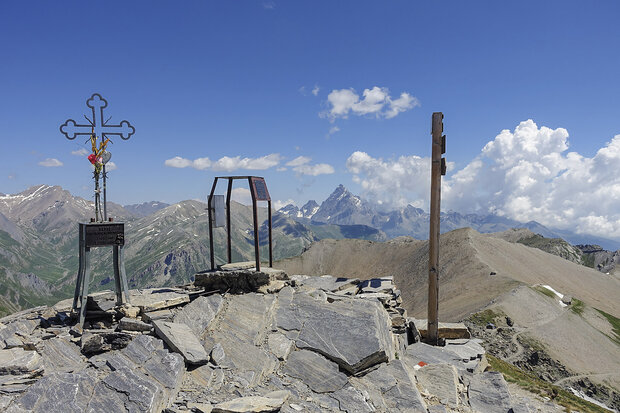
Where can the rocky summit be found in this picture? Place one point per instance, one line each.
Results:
(278, 343)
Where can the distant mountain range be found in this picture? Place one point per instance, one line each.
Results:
(344, 208)
(167, 244)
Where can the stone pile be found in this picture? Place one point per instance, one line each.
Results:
(279, 343)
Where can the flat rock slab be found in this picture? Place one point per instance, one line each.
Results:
(419, 354)
(318, 373)
(132, 324)
(466, 349)
(353, 333)
(241, 329)
(327, 282)
(488, 393)
(253, 404)
(182, 340)
(158, 298)
(391, 389)
(440, 380)
(445, 330)
(198, 314)
(237, 266)
(235, 282)
(17, 361)
(61, 355)
(58, 392)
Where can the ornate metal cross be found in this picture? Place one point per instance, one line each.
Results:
(98, 128)
(71, 129)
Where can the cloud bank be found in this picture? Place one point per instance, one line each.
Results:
(375, 102)
(226, 163)
(525, 174)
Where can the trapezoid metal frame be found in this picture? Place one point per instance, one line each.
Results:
(250, 180)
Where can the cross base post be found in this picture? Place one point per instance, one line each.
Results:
(98, 235)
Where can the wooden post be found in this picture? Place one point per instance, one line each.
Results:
(437, 170)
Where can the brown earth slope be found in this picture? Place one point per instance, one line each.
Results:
(474, 270)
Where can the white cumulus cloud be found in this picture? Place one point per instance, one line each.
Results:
(51, 163)
(527, 174)
(394, 182)
(314, 170)
(375, 102)
(226, 163)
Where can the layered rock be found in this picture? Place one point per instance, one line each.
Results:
(298, 344)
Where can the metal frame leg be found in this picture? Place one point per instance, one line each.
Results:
(86, 282)
(120, 278)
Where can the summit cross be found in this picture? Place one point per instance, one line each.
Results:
(71, 129)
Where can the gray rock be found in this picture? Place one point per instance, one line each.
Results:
(567, 299)
(218, 356)
(198, 314)
(253, 404)
(241, 329)
(488, 393)
(131, 324)
(353, 333)
(61, 355)
(158, 298)
(437, 409)
(182, 340)
(236, 282)
(166, 314)
(440, 380)
(351, 400)
(279, 345)
(17, 361)
(135, 389)
(320, 374)
(58, 392)
(92, 343)
(391, 389)
(467, 349)
(425, 354)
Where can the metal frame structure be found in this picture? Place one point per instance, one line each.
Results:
(253, 181)
(100, 235)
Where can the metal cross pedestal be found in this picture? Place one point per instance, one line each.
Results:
(259, 192)
(100, 235)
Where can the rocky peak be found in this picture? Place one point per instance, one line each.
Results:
(309, 209)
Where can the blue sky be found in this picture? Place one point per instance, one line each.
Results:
(283, 82)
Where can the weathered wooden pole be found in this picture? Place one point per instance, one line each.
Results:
(438, 168)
